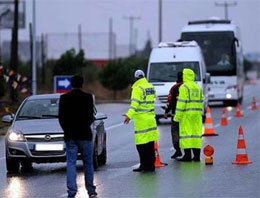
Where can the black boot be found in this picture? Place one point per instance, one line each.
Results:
(177, 153)
(187, 156)
(139, 169)
(196, 153)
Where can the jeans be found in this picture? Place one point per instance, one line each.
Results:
(86, 149)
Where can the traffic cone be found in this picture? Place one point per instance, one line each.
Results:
(158, 162)
(254, 106)
(241, 156)
(208, 126)
(238, 112)
(224, 121)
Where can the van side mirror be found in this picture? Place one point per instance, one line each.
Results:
(100, 116)
(207, 78)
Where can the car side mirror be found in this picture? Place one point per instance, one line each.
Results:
(8, 118)
(100, 116)
(207, 77)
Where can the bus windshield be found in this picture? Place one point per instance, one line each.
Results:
(167, 72)
(218, 50)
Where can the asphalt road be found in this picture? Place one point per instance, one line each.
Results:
(178, 179)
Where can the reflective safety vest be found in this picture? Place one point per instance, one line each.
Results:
(142, 112)
(189, 112)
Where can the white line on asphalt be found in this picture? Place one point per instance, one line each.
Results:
(216, 125)
(229, 118)
(115, 126)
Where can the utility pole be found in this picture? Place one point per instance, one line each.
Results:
(226, 5)
(34, 69)
(131, 33)
(110, 39)
(14, 50)
(80, 37)
(160, 22)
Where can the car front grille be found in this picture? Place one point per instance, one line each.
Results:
(45, 138)
(163, 98)
(47, 153)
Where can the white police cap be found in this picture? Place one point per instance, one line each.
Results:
(139, 73)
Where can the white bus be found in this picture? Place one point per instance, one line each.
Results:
(221, 45)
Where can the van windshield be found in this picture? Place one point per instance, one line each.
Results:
(167, 72)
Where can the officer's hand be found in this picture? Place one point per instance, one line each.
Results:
(127, 119)
(165, 115)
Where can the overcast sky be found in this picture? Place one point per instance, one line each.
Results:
(60, 16)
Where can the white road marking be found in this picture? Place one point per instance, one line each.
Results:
(116, 125)
(216, 125)
(230, 118)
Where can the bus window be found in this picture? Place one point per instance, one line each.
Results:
(218, 49)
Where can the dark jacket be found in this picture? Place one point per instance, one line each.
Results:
(172, 98)
(76, 114)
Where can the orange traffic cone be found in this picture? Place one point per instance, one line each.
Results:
(208, 126)
(241, 157)
(158, 162)
(224, 121)
(238, 112)
(254, 106)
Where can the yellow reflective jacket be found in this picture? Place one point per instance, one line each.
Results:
(189, 111)
(142, 112)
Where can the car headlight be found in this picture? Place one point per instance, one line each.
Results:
(15, 136)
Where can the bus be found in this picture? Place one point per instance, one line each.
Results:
(221, 45)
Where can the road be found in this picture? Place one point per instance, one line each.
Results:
(178, 179)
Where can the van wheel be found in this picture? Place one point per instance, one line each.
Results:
(157, 118)
(12, 165)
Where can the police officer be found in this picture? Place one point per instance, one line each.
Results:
(189, 115)
(142, 112)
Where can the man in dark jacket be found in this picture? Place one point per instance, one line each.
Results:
(76, 113)
(172, 101)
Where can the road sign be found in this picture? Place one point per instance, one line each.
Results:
(62, 84)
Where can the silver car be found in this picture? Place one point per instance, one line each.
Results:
(35, 135)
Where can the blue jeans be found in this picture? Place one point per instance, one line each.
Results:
(72, 149)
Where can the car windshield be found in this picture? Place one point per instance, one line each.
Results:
(167, 72)
(218, 50)
(39, 109)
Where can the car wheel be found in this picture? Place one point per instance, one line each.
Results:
(102, 158)
(26, 166)
(157, 118)
(95, 156)
(12, 165)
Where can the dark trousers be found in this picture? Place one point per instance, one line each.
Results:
(175, 135)
(146, 155)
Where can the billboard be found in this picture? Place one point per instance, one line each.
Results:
(7, 14)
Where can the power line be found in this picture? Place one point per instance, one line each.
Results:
(226, 5)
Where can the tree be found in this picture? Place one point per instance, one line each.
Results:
(70, 63)
(115, 76)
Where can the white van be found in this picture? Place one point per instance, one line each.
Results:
(166, 61)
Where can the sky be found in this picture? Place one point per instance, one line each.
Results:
(64, 16)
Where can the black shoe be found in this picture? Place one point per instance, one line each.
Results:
(196, 159)
(138, 169)
(93, 195)
(184, 159)
(176, 154)
(148, 170)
